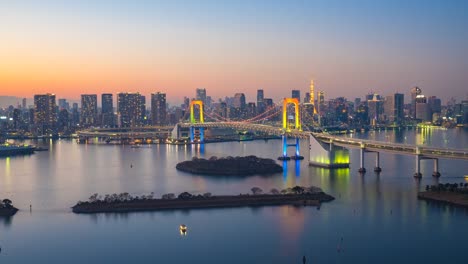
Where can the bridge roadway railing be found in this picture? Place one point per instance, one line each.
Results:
(398, 148)
(253, 127)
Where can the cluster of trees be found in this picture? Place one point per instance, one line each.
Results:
(126, 197)
(449, 187)
(6, 203)
(293, 190)
(113, 198)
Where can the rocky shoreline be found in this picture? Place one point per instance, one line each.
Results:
(448, 193)
(6, 208)
(230, 166)
(188, 201)
(455, 199)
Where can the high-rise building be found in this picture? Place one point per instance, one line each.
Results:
(296, 94)
(45, 114)
(307, 98)
(321, 97)
(435, 104)
(260, 102)
(143, 110)
(88, 110)
(63, 104)
(393, 108)
(423, 110)
(375, 108)
(415, 91)
(239, 101)
(201, 95)
(107, 110)
(129, 108)
(158, 109)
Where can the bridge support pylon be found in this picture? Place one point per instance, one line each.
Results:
(377, 167)
(436, 172)
(296, 145)
(362, 169)
(418, 174)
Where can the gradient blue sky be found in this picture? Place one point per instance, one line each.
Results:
(349, 47)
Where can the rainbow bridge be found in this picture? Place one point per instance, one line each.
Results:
(324, 150)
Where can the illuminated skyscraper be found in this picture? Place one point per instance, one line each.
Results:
(393, 108)
(158, 109)
(88, 110)
(45, 115)
(129, 107)
(107, 110)
(260, 102)
(415, 91)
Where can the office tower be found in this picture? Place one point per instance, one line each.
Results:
(375, 108)
(260, 102)
(45, 115)
(435, 104)
(239, 101)
(63, 104)
(423, 110)
(251, 110)
(415, 91)
(63, 123)
(321, 97)
(88, 110)
(260, 95)
(158, 109)
(186, 103)
(357, 102)
(201, 94)
(393, 108)
(143, 110)
(307, 98)
(107, 110)
(129, 107)
(296, 94)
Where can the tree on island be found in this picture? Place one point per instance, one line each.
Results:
(256, 191)
(7, 203)
(274, 191)
(298, 189)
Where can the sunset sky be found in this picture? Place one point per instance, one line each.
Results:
(349, 47)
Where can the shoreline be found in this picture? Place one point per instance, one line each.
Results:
(450, 198)
(230, 166)
(224, 201)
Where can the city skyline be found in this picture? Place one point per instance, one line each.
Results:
(348, 49)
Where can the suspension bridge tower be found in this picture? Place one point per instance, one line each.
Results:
(201, 131)
(287, 128)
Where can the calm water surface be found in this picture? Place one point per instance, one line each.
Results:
(375, 218)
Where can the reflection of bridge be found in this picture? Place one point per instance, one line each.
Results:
(325, 150)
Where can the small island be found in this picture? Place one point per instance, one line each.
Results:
(117, 203)
(449, 193)
(230, 166)
(6, 208)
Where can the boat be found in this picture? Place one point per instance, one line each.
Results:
(10, 150)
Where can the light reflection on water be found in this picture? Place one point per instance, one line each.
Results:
(377, 215)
